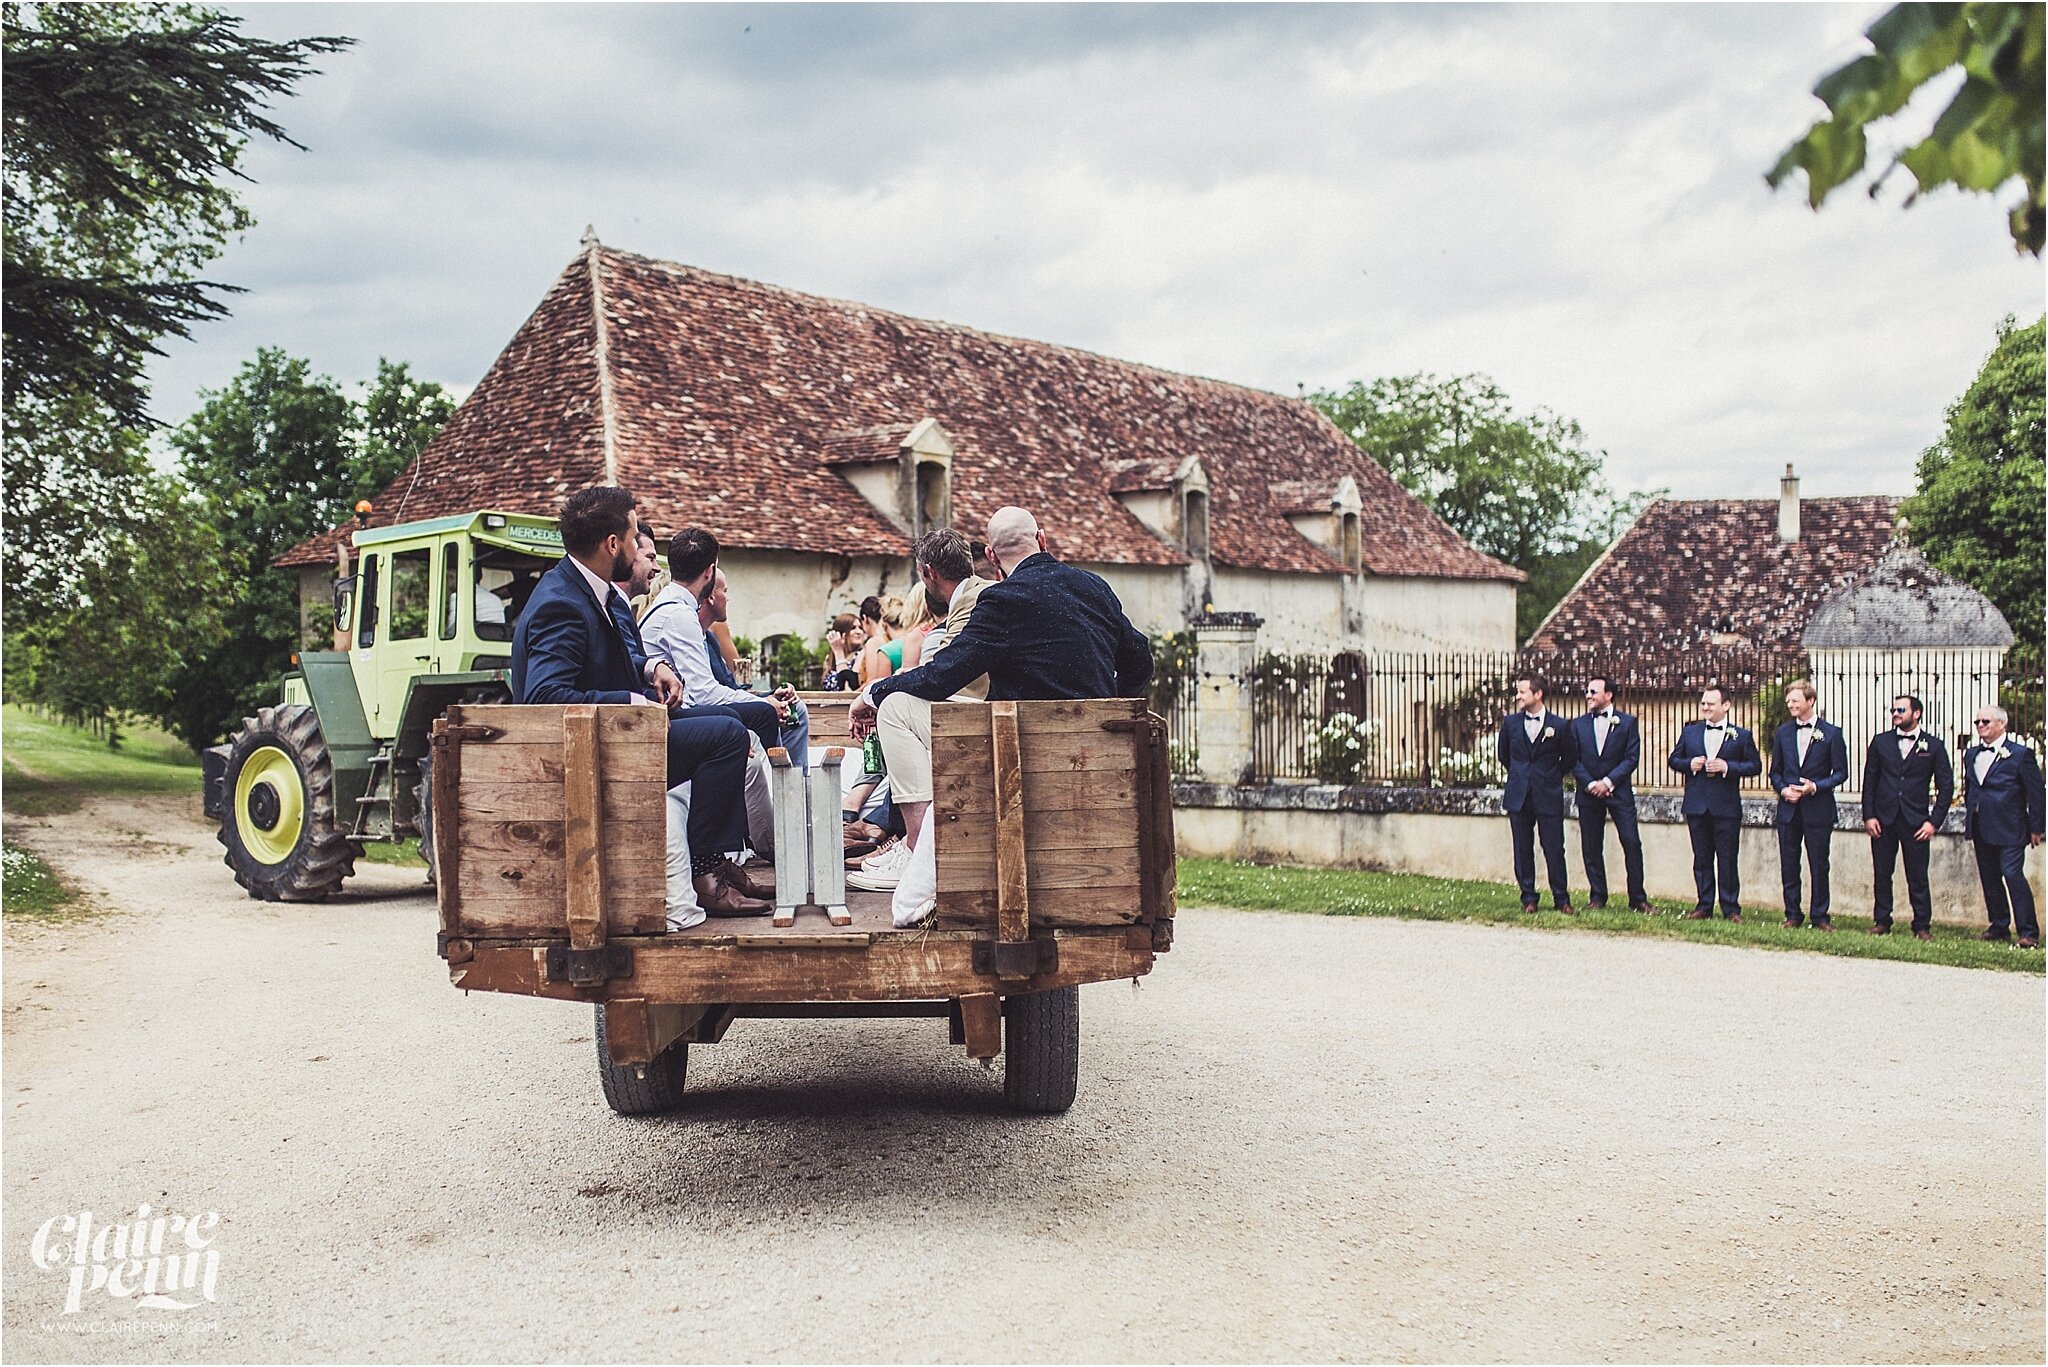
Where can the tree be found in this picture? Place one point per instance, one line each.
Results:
(1524, 488)
(120, 122)
(1977, 512)
(277, 455)
(1990, 133)
(397, 417)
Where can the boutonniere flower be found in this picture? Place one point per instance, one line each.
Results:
(1548, 732)
(1998, 752)
(1920, 746)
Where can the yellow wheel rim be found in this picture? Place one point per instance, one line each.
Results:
(268, 790)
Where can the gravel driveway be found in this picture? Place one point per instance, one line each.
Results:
(1303, 1138)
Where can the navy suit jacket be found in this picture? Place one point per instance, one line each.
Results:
(1895, 790)
(1827, 764)
(2006, 807)
(1615, 763)
(1536, 768)
(1715, 794)
(566, 649)
(1047, 631)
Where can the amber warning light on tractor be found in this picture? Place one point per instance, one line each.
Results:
(363, 512)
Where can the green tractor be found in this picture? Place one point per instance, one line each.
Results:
(343, 759)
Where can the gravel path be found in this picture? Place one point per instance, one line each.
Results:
(1304, 1138)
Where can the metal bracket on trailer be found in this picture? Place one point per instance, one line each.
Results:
(589, 967)
(1016, 958)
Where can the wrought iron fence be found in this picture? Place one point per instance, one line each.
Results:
(1174, 696)
(1430, 720)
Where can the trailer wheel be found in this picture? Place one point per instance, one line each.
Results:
(1042, 1049)
(642, 1089)
(284, 840)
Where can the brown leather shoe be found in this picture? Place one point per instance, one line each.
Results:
(1700, 914)
(1793, 923)
(1596, 904)
(1823, 925)
(1528, 908)
(2028, 942)
(1735, 916)
(1644, 909)
(1880, 930)
(1923, 934)
(743, 882)
(720, 898)
(1994, 937)
(1566, 909)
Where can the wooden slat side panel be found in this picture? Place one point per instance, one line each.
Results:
(1038, 717)
(520, 724)
(624, 800)
(446, 798)
(1013, 905)
(511, 836)
(1055, 908)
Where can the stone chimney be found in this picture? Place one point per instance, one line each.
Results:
(1788, 506)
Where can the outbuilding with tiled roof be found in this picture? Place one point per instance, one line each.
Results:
(817, 437)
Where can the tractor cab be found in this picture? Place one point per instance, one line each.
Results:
(424, 621)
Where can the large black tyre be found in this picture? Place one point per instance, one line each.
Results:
(1042, 1049)
(423, 799)
(285, 841)
(642, 1089)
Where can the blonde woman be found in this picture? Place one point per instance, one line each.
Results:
(918, 621)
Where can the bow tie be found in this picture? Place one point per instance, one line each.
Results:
(1716, 726)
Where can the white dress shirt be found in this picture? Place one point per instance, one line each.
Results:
(1716, 733)
(1807, 731)
(672, 632)
(1535, 724)
(1984, 758)
(1603, 726)
(1906, 739)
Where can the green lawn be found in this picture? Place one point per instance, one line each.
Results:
(50, 767)
(1343, 892)
(404, 853)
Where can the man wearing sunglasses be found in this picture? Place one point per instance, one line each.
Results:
(1898, 768)
(2002, 792)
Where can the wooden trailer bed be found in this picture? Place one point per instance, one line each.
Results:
(1054, 856)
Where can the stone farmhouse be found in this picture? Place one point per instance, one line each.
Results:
(818, 437)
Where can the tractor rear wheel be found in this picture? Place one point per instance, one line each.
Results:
(284, 840)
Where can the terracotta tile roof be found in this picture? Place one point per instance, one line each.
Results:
(731, 402)
(1687, 570)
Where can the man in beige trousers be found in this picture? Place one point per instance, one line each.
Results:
(945, 565)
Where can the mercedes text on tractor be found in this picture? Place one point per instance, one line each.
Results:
(343, 758)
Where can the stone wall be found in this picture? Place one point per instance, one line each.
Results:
(1463, 833)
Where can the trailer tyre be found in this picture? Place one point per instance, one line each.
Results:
(1042, 1050)
(284, 840)
(642, 1089)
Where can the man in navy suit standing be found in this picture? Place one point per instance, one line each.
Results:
(1610, 746)
(1536, 747)
(1898, 768)
(1715, 756)
(2002, 792)
(1809, 760)
(576, 642)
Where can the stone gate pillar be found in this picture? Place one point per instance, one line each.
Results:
(1226, 648)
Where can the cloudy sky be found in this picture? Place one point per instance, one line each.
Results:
(1568, 198)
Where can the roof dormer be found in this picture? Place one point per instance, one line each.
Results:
(904, 471)
(1327, 516)
(1170, 496)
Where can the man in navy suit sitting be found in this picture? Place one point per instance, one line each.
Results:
(1535, 745)
(2002, 792)
(1610, 747)
(1048, 630)
(1809, 760)
(1715, 756)
(576, 642)
(1898, 769)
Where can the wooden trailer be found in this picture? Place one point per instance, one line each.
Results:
(1054, 825)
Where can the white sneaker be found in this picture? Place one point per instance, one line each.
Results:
(887, 861)
(875, 880)
(917, 887)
